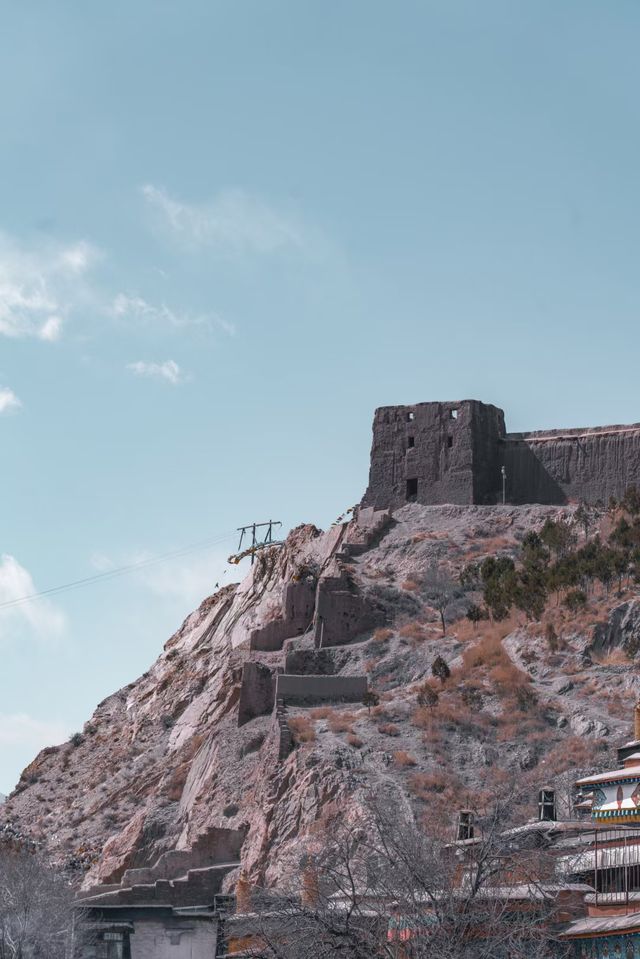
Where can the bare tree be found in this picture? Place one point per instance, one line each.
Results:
(439, 590)
(37, 916)
(380, 887)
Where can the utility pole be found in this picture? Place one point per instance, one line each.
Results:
(504, 485)
(256, 542)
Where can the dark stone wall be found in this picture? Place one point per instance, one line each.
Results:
(436, 453)
(571, 465)
(298, 605)
(305, 690)
(343, 612)
(257, 692)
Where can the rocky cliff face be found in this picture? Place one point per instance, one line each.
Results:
(197, 760)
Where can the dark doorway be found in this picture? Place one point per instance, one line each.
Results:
(412, 490)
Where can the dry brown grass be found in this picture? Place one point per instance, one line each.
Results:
(487, 651)
(320, 712)
(341, 722)
(415, 630)
(409, 585)
(616, 657)
(403, 759)
(302, 729)
(388, 729)
(354, 740)
(381, 635)
(425, 785)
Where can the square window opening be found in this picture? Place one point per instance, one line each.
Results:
(453, 414)
(411, 417)
(412, 489)
(450, 442)
(411, 442)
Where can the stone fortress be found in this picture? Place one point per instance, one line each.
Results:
(460, 453)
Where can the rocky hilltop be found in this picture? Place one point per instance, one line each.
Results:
(291, 695)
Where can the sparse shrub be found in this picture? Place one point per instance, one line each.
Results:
(440, 670)
(370, 699)
(552, 637)
(475, 614)
(302, 729)
(166, 720)
(76, 740)
(575, 600)
(231, 809)
(631, 501)
(427, 696)
(525, 697)
(472, 698)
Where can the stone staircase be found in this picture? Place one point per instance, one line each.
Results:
(179, 877)
(197, 887)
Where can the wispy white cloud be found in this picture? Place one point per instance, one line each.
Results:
(41, 286)
(20, 729)
(168, 371)
(9, 402)
(233, 223)
(137, 310)
(39, 616)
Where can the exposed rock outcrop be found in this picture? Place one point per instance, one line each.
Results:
(621, 630)
(196, 766)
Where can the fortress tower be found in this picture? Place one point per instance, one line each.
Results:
(435, 453)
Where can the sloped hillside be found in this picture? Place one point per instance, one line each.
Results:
(199, 743)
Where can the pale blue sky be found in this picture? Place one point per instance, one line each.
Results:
(229, 230)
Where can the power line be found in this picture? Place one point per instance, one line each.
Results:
(118, 571)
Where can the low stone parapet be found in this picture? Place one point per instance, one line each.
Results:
(307, 690)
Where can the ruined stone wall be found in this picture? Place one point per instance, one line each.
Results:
(257, 692)
(297, 612)
(571, 465)
(319, 689)
(436, 453)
